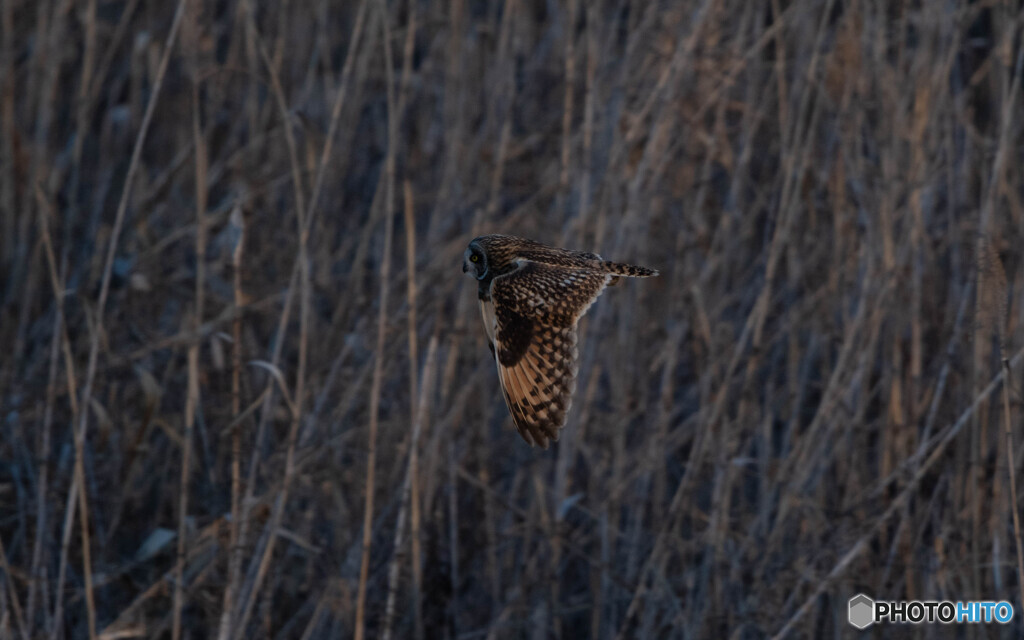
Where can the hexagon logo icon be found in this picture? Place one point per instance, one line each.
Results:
(861, 611)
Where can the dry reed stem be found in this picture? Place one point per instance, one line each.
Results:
(83, 417)
(429, 366)
(506, 89)
(454, 574)
(59, 337)
(947, 436)
(58, 293)
(568, 100)
(248, 500)
(8, 177)
(415, 557)
(19, 617)
(1011, 470)
(238, 541)
(237, 221)
(991, 319)
(589, 99)
(246, 605)
(84, 85)
(709, 464)
(382, 316)
(339, 102)
(193, 396)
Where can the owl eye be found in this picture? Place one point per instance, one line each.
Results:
(474, 258)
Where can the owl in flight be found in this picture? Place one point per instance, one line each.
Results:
(531, 297)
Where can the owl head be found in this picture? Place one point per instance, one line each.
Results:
(493, 255)
(474, 260)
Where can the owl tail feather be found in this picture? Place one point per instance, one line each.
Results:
(628, 270)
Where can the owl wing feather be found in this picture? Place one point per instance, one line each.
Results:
(531, 319)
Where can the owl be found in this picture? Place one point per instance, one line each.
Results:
(531, 298)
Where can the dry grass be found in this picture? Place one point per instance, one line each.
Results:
(227, 230)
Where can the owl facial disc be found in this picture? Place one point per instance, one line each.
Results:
(474, 262)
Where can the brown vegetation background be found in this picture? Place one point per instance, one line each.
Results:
(245, 392)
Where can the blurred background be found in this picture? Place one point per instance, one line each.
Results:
(245, 390)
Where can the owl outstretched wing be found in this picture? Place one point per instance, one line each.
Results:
(531, 318)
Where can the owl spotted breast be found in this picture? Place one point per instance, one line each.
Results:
(531, 298)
